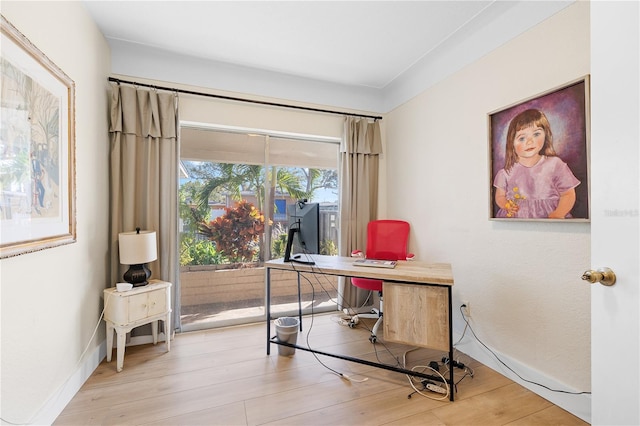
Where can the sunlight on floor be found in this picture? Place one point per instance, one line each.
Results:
(252, 314)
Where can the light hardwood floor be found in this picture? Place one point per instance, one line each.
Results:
(224, 377)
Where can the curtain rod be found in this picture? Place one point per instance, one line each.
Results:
(231, 98)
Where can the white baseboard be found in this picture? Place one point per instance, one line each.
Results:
(65, 393)
(59, 399)
(578, 405)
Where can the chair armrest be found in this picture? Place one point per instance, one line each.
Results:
(357, 253)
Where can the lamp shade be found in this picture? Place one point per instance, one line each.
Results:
(137, 247)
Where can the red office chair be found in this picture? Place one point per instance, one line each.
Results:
(386, 240)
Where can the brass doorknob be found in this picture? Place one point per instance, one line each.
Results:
(604, 276)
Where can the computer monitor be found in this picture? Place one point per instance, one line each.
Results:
(304, 230)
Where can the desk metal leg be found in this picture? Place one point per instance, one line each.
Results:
(300, 303)
(451, 368)
(267, 308)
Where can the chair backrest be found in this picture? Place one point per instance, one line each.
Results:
(387, 239)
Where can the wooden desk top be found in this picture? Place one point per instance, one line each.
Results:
(405, 271)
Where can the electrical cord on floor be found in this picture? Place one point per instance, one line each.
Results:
(468, 372)
(429, 385)
(318, 271)
(351, 311)
(511, 369)
(375, 350)
(426, 384)
(334, 371)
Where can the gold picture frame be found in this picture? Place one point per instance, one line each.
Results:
(548, 179)
(37, 149)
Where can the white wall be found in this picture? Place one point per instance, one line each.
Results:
(51, 300)
(522, 279)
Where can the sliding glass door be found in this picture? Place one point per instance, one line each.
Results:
(235, 186)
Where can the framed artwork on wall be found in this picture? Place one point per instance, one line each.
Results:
(539, 156)
(37, 149)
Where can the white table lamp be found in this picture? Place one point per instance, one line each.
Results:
(137, 248)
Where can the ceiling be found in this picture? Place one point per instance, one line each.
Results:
(366, 44)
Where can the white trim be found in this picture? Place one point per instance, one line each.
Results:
(59, 399)
(578, 405)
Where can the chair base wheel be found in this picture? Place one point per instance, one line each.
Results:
(373, 339)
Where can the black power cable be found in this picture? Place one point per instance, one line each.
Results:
(511, 369)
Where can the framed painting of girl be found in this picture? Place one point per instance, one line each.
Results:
(539, 156)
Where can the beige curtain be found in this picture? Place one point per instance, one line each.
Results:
(359, 162)
(144, 179)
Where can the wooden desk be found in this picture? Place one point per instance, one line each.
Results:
(417, 300)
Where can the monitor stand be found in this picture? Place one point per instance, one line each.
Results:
(287, 250)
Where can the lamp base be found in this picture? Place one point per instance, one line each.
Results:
(137, 275)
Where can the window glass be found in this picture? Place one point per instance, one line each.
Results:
(234, 191)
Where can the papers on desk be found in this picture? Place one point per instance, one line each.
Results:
(376, 263)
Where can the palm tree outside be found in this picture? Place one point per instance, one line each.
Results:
(223, 204)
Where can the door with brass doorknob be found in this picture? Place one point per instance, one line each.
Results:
(615, 210)
(604, 276)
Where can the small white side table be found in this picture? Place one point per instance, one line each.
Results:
(129, 309)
